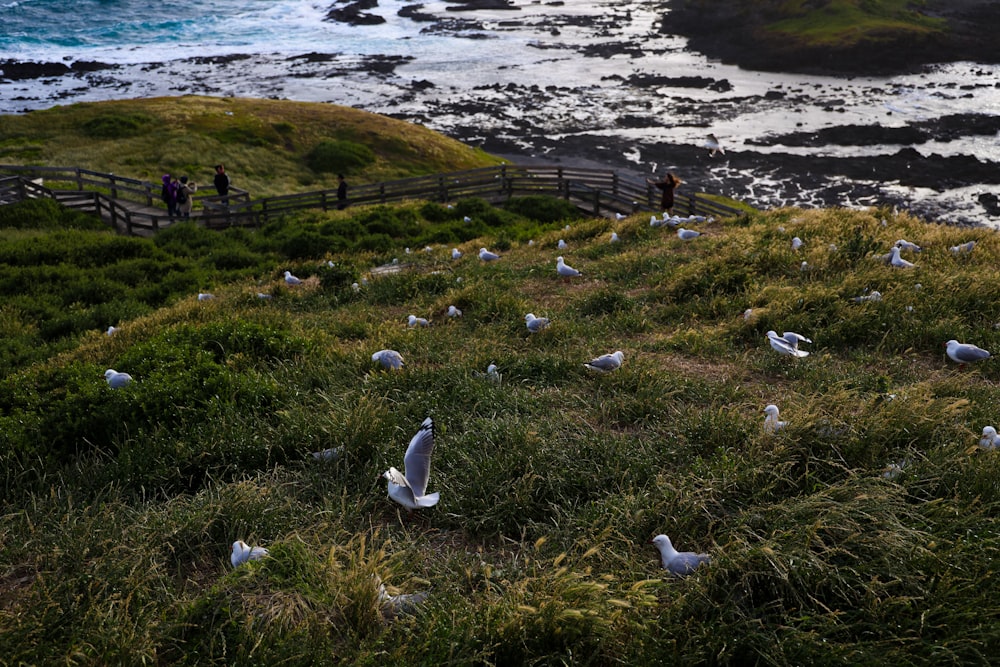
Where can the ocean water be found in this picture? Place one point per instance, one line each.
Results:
(120, 31)
(531, 81)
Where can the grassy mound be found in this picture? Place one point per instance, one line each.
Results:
(552, 480)
(269, 147)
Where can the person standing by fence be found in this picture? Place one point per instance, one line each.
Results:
(667, 186)
(185, 191)
(169, 195)
(222, 183)
(341, 192)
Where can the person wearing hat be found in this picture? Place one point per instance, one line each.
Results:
(185, 191)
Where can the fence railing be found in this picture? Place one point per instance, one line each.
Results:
(131, 205)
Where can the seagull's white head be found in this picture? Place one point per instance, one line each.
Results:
(771, 411)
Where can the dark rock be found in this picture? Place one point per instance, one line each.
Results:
(473, 5)
(353, 13)
(18, 71)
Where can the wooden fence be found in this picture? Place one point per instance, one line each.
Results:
(132, 206)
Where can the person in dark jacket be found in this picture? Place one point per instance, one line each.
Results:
(667, 186)
(169, 195)
(222, 183)
(341, 192)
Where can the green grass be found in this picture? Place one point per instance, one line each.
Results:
(122, 504)
(847, 22)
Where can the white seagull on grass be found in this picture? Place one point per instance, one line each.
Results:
(564, 269)
(788, 343)
(487, 256)
(454, 312)
(965, 353)
(291, 280)
(989, 439)
(606, 362)
(898, 261)
(687, 234)
(771, 423)
(535, 324)
(240, 553)
(410, 490)
(962, 248)
(388, 359)
(414, 321)
(115, 379)
(678, 563)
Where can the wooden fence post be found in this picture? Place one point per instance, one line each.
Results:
(79, 179)
(381, 192)
(114, 186)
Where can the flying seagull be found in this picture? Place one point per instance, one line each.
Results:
(409, 490)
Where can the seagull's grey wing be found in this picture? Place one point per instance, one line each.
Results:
(605, 362)
(794, 339)
(966, 353)
(418, 458)
(686, 562)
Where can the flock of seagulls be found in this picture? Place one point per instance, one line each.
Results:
(409, 487)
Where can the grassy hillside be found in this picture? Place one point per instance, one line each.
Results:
(122, 504)
(269, 147)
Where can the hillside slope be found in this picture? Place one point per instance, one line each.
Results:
(552, 479)
(270, 147)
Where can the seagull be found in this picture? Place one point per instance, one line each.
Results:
(403, 604)
(356, 287)
(205, 296)
(409, 490)
(965, 353)
(894, 470)
(614, 237)
(564, 269)
(788, 343)
(454, 312)
(748, 313)
(962, 248)
(804, 266)
(687, 234)
(427, 248)
(771, 423)
(389, 359)
(115, 379)
(456, 253)
(406, 250)
(619, 216)
(679, 563)
(990, 439)
(898, 261)
(466, 219)
(261, 295)
(606, 362)
(291, 280)
(240, 553)
(874, 296)
(535, 324)
(531, 242)
(654, 221)
(713, 145)
(111, 331)
(796, 243)
(487, 256)
(903, 244)
(414, 321)
(330, 454)
(492, 374)
(561, 245)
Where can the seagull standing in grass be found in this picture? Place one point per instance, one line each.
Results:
(535, 324)
(678, 563)
(454, 312)
(796, 243)
(989, 439)
(962, 248)
(788, 343)
(388, 359)
(614, 237)
(606, 362)
(898, 261)
(111, 331)
(414, 321)
(240, 553)
(771, 423)
(205, 296)
(487, 256)
(564, 269)
(903, 244)
(687, 234)
(291, 280)
(456, 253)
(965, 353)
(561, 245)
(115, 379)
(410, 489)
